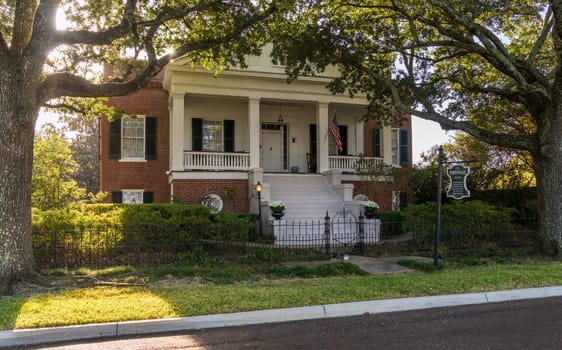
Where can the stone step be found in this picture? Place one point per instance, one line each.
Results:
(305, 196)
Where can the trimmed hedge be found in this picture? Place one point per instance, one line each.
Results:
(391, 223)
(461, 222)
(149, 226)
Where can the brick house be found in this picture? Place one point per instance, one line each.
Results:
(196, 136)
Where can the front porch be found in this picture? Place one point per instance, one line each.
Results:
(240, 161)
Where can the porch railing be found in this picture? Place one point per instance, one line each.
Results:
(193, 160)
(349, 163)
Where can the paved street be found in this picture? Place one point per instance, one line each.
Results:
(533, 324)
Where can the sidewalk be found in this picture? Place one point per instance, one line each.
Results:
(373, 266)
(16, 338)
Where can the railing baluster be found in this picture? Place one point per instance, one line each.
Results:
(216, 160)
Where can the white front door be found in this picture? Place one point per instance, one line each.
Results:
(272, 150)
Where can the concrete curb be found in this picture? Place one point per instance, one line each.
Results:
(23, 337)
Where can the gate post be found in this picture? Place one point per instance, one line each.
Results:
(361, 233)
(327, 234)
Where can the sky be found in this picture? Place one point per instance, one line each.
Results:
(426, 134)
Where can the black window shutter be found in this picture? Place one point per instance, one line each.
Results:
(147, 197)
(403, 200)
(115, 139)
(150, 138)
(197, 134)
(228, 135)
(343, 137)
(377, 150)
(404, 147)
(117, 197)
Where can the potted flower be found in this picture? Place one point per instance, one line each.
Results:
(370, 209)
(277, 209)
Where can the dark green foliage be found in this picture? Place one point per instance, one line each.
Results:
(227, 272)
(461, 222)
(171, 227)
(322, 270)
(304, 255)
(267, 254)
(524, 200)
(194, 256)
(391, 223)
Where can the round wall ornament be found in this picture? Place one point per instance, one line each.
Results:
(361, 197)
(213, 201)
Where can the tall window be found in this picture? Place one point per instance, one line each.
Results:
(399, 147)
(394, 146)
(133, 138)
(212, 135)
(377, 143)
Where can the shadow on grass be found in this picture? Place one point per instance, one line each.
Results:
(9, 311)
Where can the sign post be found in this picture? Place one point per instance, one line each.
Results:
(438, 208)
(457, 190)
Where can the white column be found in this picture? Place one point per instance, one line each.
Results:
(359, 137)
(387, 145)
(177, 132)
(254, 130)
(322, 122)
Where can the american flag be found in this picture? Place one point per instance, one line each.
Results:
(335, 131)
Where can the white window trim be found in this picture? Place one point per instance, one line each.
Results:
(134, 159)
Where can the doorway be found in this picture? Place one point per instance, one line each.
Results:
(273, 147)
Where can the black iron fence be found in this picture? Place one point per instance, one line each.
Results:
(96, 247)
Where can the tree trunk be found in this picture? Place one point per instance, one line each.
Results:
(548, 172)
(18, 112)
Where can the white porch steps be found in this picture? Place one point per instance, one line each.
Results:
(305, 195)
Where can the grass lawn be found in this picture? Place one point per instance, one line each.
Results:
(185, 291)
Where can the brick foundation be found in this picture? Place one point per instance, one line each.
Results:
(383, 199)
(191, 192)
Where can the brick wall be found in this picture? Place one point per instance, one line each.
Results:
(191, 192)
(383, 199)
(151, 175)
(370, 125)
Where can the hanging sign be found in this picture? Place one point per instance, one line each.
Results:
(457, 176)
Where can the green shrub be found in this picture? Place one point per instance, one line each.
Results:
(147, 226)
(391, 223)
(267, 254)
(461, 222)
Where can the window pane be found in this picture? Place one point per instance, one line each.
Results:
(394, 146)
(133, 138)
(133, 148)
(132, 197)
(212, 135)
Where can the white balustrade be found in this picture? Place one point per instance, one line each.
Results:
(349, 163)
(216, 161)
